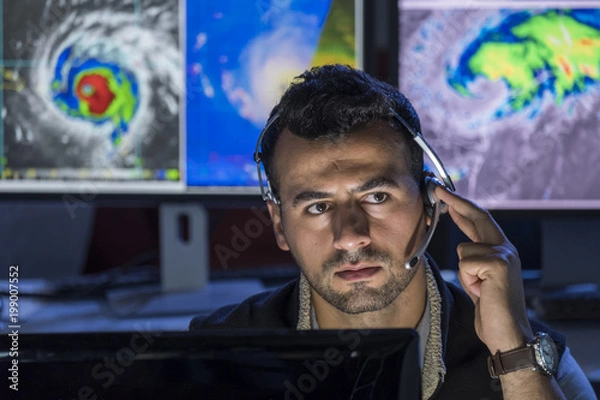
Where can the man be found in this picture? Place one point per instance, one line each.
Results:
(345, 180)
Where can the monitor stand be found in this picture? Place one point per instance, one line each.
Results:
(184, 258)
(184, 285)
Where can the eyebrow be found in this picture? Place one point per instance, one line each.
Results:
(378, 182)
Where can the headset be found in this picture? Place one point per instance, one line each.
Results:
(433, 206)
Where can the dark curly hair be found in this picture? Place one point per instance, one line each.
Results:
(331, 101)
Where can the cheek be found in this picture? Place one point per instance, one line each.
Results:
(400, 232)
(308, 246)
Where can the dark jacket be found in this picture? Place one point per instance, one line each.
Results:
(465, 356)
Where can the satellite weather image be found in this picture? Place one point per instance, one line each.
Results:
(509, 97)
(91, 89)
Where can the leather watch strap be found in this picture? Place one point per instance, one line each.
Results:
(513, 360)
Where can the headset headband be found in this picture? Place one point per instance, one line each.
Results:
(266, 195)
(267, 192)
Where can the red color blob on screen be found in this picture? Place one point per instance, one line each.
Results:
(94, 90)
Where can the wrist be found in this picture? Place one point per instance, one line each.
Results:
(509, 343)
(538, 354)
(509, 339)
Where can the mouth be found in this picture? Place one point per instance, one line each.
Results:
(358, 272)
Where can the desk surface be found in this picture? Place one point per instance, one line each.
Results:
(138, 311)
(144, 307)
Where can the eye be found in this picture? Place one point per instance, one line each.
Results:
(376, 198)
(318, 208)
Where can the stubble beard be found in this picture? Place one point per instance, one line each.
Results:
(362, 297)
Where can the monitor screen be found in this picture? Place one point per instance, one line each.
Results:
(153, 96)
(242, 364)
(508, 93)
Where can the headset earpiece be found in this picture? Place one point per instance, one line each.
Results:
(429, 197)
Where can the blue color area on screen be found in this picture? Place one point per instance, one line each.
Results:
(239, 58)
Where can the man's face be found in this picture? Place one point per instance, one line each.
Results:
(351, 214)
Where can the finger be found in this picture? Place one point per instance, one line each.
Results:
(471, 249)
(467, 283)
(472, 275)
(472, 220)
(486, 266)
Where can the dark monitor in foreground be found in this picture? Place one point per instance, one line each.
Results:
(255, 364)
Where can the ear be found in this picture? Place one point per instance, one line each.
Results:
(275, 212)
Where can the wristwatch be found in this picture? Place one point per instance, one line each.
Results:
(540, 354)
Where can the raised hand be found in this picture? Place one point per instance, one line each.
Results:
(490, 272)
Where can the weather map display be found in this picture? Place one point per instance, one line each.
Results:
(91, 92)
(509, 96)
(147, 96)
(241, 55)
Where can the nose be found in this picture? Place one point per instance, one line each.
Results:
(351, 229)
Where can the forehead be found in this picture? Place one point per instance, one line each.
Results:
(372, 151)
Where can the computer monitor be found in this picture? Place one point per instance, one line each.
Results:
(247, 364)
(508, 93)
(159, 100)
(154, 97)
(238, 68)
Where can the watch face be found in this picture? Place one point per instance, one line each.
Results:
(547, 353)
